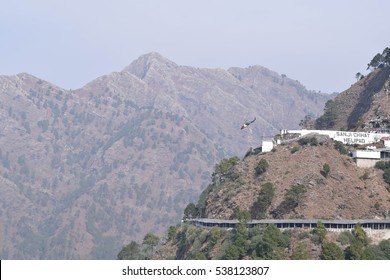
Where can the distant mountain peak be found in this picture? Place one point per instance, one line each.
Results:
(153, 55)
(153, 60)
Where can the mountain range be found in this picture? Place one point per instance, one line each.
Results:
(85, 171)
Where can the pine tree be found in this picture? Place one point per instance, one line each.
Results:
(330, 251)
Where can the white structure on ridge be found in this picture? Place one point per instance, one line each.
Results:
(364, 158)
(346, 137)
(268, 144)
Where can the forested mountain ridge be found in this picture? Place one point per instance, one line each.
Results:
(85, 171)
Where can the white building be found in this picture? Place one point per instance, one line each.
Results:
(267, 145)
(366, 158)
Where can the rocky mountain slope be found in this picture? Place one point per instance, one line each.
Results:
(85, 171)
(362, 107)
(292, 182)
(340, 194)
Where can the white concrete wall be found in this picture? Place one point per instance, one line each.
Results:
(366, 163)
(369, 154)
(346, 137)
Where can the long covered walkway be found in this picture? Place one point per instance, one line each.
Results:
(331, 225)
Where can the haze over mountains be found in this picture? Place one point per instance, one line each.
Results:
(85, 171)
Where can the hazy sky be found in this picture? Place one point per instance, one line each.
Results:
(322, 44)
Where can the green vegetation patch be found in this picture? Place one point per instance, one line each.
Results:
(292, 199)
(328, 119)
(325, 170)
(223, 170)
(339, 146)
(225, 166)
(260, 242)
(312, 141)
(266, 194)
(261, 167)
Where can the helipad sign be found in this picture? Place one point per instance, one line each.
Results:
(348, 137)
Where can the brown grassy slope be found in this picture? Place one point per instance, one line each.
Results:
(340, 195)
